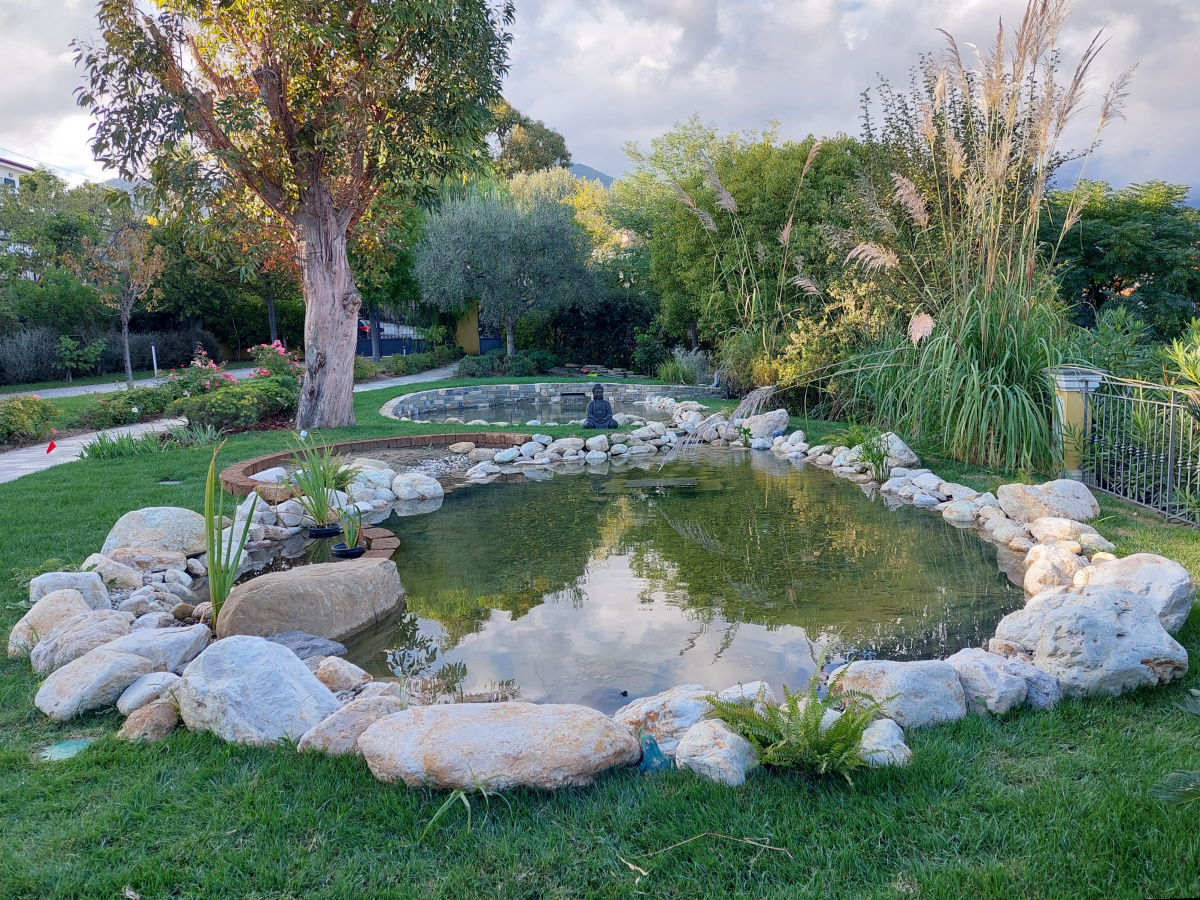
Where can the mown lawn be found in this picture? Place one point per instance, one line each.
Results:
(1029, 805)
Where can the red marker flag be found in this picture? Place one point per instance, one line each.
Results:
(51, 447)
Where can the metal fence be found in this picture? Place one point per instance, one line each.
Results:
(1142, 442)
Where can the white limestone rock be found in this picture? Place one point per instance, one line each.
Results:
(88, 584)
(985, 680)
(77, 635)
(1164, 584)
(414, 486)
(249, 690)
(92, 681)
(715, 753)
(462, 746)
(49, 610)
(145, 690)
(914, 694)
(668, 715)
(1064, 499)
(883, 744)
(338, 733)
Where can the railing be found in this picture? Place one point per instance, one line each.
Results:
(1142, 442)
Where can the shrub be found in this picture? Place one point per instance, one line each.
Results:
(241, 405)
(275, 359)
(122, 446)
(523, 363)
(364, 369)
(649, 352)
(29, 355)
(25, 419)
(686, 367)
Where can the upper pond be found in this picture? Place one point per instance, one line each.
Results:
(543, 411)
(713, 570)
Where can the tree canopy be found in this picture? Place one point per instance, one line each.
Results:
(511, 261)
(312, 106)
(1136, 247)
(527, 145)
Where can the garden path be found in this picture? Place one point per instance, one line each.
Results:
(15, 463)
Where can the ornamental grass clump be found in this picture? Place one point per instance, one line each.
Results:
(795, 734)
(970, 164)
(319, 473)
(223, 545)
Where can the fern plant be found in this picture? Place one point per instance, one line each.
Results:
(1179, 788)
(794, 735)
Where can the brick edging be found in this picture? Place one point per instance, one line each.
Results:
(236, 478)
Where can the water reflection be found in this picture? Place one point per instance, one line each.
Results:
(732, 567)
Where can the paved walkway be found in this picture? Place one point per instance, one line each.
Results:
(432, 375)
(15, 463)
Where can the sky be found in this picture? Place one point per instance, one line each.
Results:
(607, 72)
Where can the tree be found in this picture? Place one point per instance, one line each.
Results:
(510, 261)
(310, 105)
(1136, 247)
(527, 145)
(123, 271)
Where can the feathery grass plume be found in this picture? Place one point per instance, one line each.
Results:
(970, 169)
(873, 257)
(920, 327)
(724, 198)
(909, 196)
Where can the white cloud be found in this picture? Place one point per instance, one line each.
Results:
(608, 71)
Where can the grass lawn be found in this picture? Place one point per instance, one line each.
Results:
(1032, 804)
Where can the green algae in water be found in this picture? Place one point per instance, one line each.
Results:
(723, 569)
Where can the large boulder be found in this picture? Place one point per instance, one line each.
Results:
(668, 715)
(414, 486)
(1055, 528)
(338, 734)
(329, 600)
(925, 692)
(899, 453)
(249, 690)
(167, 649)
(466, 746)
(766, 424)
(1096, 639)
(566, 445)
(1063, 499)
(1164, 584)
(714, 752)
(92, 681)
(51, 609)
(159, 528)
(89, 584)
(985, 680)
(72, 637)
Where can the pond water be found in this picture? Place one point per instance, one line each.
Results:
(726, 568)
(520, 413)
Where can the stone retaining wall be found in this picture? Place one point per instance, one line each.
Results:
(488, 396)
(237, 481)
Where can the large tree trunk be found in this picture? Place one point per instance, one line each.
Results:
(125, 342)
(331, 304)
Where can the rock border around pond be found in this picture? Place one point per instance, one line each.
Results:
(1093, 625)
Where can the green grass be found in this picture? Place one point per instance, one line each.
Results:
(1033, 804)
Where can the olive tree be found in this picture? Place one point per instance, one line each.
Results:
(312, 107)
(511, 261)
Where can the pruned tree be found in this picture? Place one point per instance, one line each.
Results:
(123, 271)
(510, 261)
(310, 105)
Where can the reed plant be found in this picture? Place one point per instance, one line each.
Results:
(319, 473)
(351, 521)
(224, 546)
(972, 164)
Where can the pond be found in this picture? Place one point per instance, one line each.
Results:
(729, 567)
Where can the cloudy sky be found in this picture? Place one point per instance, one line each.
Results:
(605, 72)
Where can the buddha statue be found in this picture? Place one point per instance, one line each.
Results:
(599, 411)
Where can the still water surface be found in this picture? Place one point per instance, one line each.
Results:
(724, 568)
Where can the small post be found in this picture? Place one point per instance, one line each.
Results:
(1071, 387)
(154, 357)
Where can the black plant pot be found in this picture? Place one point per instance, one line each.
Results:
(324, 531)
(341, 551)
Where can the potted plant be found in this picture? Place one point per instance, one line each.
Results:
(352, 547)
(319, 474)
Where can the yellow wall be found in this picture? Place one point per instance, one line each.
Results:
(466, 332)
